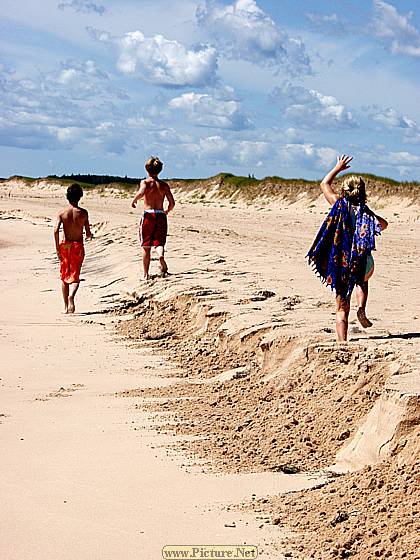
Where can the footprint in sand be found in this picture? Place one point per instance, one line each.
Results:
(62, 392)
(99, 227)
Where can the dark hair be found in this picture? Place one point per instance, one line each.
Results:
(74, 192)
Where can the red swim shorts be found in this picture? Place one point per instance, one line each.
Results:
(72, 254)
(153, 229)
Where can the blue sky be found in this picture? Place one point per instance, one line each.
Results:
(267, 87)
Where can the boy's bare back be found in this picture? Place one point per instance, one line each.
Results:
(74, 219)
(155, 192)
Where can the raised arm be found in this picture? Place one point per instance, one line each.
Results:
(171, 199)
(326, 183)
(139, 194)
(87, 227)
(57, 226)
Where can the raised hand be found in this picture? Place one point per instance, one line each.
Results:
(326, 183)
(343, 163)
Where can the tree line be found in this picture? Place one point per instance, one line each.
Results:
(97, 179)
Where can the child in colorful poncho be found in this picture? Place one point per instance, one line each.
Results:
(342, 251)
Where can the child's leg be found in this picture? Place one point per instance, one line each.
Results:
(65, 292)
(362, 292)
(342, 318)
(160, 250)
(72, 292)
(341, 325)
(146, 262)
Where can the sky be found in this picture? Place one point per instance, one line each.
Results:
(260, 87)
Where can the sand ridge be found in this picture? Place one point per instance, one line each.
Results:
(288, 405)
(373, 513)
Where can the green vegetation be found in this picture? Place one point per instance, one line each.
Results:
(386, 180)
(238, 181)
(276, 179)
(28, 180)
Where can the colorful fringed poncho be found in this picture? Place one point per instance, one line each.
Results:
(341, 248)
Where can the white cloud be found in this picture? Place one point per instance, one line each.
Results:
(14, 135)
(323, 23)
(161, 61)
(68, 135)
(307, 156)
(399, 158)
(293, 135)
(390, 118)
(243, 31)
(250, 152)
(169, 136)
(67, 76)
(82, 79)
(204, 109)
(389, 162)
(60, 109)
(223, 152)
(310, 108)
(213, 146)
(395, 30)
(83, 6)
(412, 135)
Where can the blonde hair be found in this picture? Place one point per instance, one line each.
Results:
(354, 189)
(154, 165)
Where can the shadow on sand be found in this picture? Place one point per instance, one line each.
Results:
(405, 336)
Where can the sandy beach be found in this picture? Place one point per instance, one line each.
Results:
(184, 410)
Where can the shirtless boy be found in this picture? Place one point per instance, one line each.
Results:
(153, 227)
(71, 251)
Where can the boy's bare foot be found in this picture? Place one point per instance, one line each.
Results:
(71, 308)
(163, 267)
(363, 320)
(146, 277)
